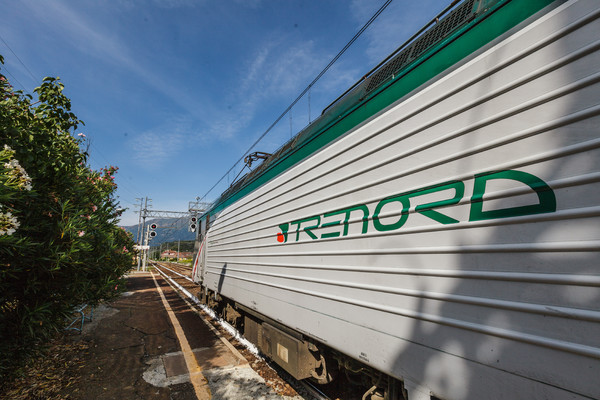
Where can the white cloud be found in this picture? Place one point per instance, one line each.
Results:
(152, 149)
(249, 3)
(277, 72)
(253, 4)
(177, 3)
(96, 40)
(156, 3)
(158, 146)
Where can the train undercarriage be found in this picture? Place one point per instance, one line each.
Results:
(302, 357)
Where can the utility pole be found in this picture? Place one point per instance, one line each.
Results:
(145, 252)
(143, 214)
(144, 231)
(138, 236)
(178, 243)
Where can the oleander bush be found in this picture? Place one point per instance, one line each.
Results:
(60, 245)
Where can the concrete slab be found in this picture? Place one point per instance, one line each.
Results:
(208, 358)
(174, 364)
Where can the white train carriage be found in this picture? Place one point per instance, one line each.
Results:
(440, 222)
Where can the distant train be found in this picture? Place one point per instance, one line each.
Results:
(437, 230)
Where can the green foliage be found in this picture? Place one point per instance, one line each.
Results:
(60, 245)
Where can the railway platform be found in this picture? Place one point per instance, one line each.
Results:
(149, 343)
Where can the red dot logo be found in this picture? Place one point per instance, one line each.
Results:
(280, 237)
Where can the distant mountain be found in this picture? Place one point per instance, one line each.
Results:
(168, 230)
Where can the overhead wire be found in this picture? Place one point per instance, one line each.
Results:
(14, 78)
(356, 36)
(134, 191)
(130, 188)
(17, 57)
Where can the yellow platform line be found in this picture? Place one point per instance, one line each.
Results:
(196, 378)
(240, 357)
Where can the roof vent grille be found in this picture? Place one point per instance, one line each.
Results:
(457, 17)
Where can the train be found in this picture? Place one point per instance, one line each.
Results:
(435, 232)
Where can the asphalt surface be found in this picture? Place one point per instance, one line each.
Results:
(138, 351)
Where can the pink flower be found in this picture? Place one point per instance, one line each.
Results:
(81, 233)
(94, 208)
(80, 135)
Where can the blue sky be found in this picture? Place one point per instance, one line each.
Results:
(173, 92)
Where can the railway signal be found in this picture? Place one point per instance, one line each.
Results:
(152, 232)
(193, 224)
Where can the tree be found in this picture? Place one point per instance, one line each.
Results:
(60, 245)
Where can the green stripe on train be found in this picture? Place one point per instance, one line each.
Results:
(504, 16)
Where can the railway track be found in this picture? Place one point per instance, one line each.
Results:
(283, 383)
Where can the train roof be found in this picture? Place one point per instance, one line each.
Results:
(458, 31)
